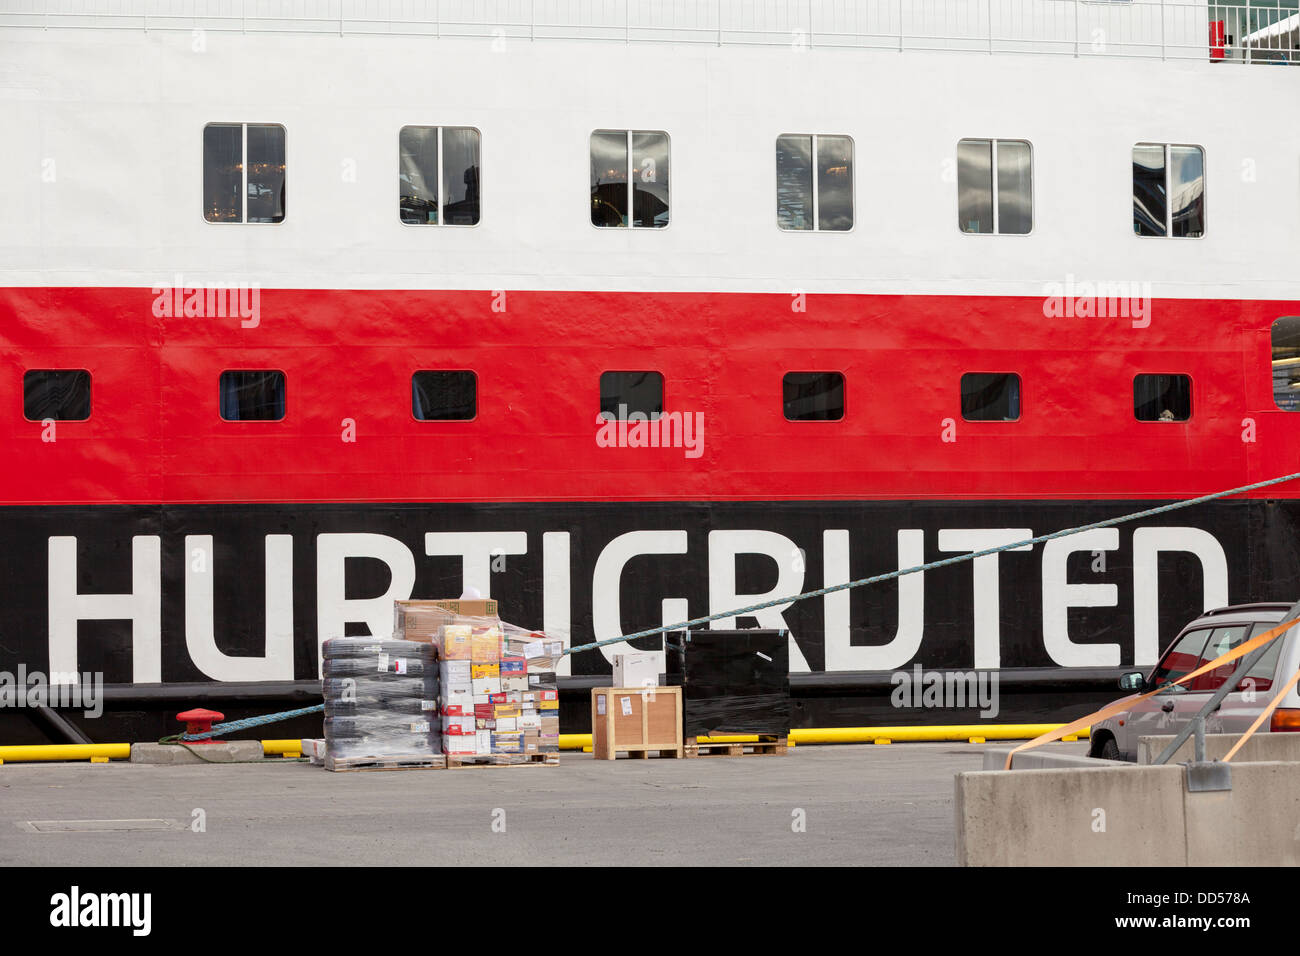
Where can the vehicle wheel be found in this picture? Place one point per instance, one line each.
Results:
(1109, 750)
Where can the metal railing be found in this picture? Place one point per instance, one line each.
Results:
(1246, 32)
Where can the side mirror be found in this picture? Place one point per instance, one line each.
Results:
(1132, 682)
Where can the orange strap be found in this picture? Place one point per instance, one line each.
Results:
(1125, 703)
(1268, 711)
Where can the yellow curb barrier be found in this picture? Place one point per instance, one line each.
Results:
(965, 733)
(65, 752)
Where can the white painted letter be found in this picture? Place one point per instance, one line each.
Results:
(988, 633)
(1059, 596)
(142, 607)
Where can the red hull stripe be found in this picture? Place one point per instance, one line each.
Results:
(155, 434)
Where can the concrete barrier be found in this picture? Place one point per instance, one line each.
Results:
(224, 752)
(995, 758)
(1128, 816)
(1261, 746)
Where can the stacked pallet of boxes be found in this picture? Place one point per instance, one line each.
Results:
(499, 693)
(380, 703)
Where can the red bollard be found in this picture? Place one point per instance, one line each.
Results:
(199, 721)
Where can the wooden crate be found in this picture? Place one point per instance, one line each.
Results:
(636, 720)
(766, 744)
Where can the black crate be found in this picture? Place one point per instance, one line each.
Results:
(734, 682)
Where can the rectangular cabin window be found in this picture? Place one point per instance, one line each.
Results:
(1162, 398)
(1286, 363)
(823, 201)
(995, 187)
(243, 172)
(62, 395)
(813, 396)
(438, 175)
(444, 396)
(990, 397)
(1168, 190)
(627, 393)
(630, 171)
(252, 396)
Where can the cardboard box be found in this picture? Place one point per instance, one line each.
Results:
(550, 726)
(452, 709)
(513, 666)
(455, 642)
(486, 723)
(548, 744)
(507, 743)
(637, 669)
(455, 672)
(542, 681)
(514, 684)
(486, 686)
(427, 615)
(508, 724)
(484, 710)
(530, 722)
(457, 726)
(505, 710)
(485, 644)
(459, 745)
(532, 742)
(483, 742)
(458, 694)
(479, 670)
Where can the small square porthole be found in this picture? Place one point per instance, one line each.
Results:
(1162, 398)
(62, 394)
(252, 396)
(444, 396)
(627, 393)
(990, 397)
(813, 396)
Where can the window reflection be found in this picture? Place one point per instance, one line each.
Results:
(1015, 188)
(460, 176)
(609, 162)
(223, 172)
(1187, 190)
(975, 185)
(438, 396)
(650, 179)
(834, 183)
(252, 396)
(233, 192)
(622, 393)
(1168, 190)
(990, 397)
(813, 396)
(1149, 205)
(417, 175)
(794, 182)
(265, 173)
(1162, 398)
(59, 394)
(1286, 363)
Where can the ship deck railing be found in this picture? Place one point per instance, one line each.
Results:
(1257, 32)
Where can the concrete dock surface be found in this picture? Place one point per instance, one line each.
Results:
(828, 805)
